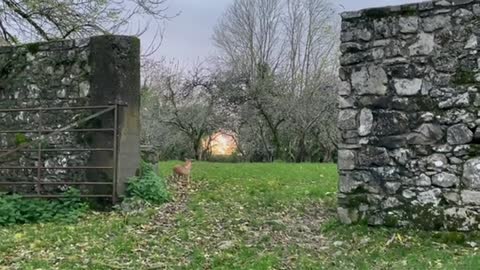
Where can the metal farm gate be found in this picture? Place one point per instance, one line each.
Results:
(36, 147)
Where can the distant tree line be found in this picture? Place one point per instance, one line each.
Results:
(272, 83)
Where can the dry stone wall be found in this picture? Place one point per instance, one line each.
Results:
(97, 71)
(43, 75)
(409, 116)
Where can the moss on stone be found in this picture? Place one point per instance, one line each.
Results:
(474, 150)
(464, 77)
(376, 13)
(136, 43)
(408, 11)
(33, 48)
(379, 13)
(427, 217)
(20, 139)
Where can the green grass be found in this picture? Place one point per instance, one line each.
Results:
(262, 183)
(238, 216)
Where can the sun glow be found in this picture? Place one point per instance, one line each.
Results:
(221, 143)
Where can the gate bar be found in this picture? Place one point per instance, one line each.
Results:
(49, 131)
(55, 109)
(61, 150)
(54, 168)
(45, 134)
(65, 196)
(58, 183)
(39, 161)
(110, 108)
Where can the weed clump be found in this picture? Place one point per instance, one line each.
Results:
(14, 209)
(148, 187)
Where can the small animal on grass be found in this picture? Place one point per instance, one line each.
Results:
(183, 171)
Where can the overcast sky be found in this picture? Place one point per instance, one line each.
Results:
(188, 36)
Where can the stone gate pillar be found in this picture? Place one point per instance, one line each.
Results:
(115, 79)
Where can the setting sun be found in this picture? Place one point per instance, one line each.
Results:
(221, 143)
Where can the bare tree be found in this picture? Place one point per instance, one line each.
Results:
(32, 20)
(284, 51)
(188, 104)
(249, 36)
(310, 75)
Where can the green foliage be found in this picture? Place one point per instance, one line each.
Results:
(20, 139)
(148, 186)
(17, 210)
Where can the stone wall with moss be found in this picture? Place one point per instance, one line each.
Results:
(100, 70)
(410, 120)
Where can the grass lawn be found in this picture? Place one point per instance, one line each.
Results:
(237, 216)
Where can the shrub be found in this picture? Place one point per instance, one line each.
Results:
(148, 186)
(15, 209)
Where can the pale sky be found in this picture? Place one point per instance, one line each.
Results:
(188, 37)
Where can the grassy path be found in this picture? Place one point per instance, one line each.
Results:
(238, 216)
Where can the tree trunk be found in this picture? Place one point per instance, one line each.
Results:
(278, 146)
(328, 156)
(302, 151)
(197, 149)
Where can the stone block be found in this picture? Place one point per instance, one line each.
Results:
(471, 174)
(459, 134)
(366, 122)
(388, 122)
(370, 80)
(470, 197)
(426, 134)
(346, 159)
(424, 46)
(347, 119)
(373, 156)
(408, 87)
(445, 180)
(408, 24)
(348, 184)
